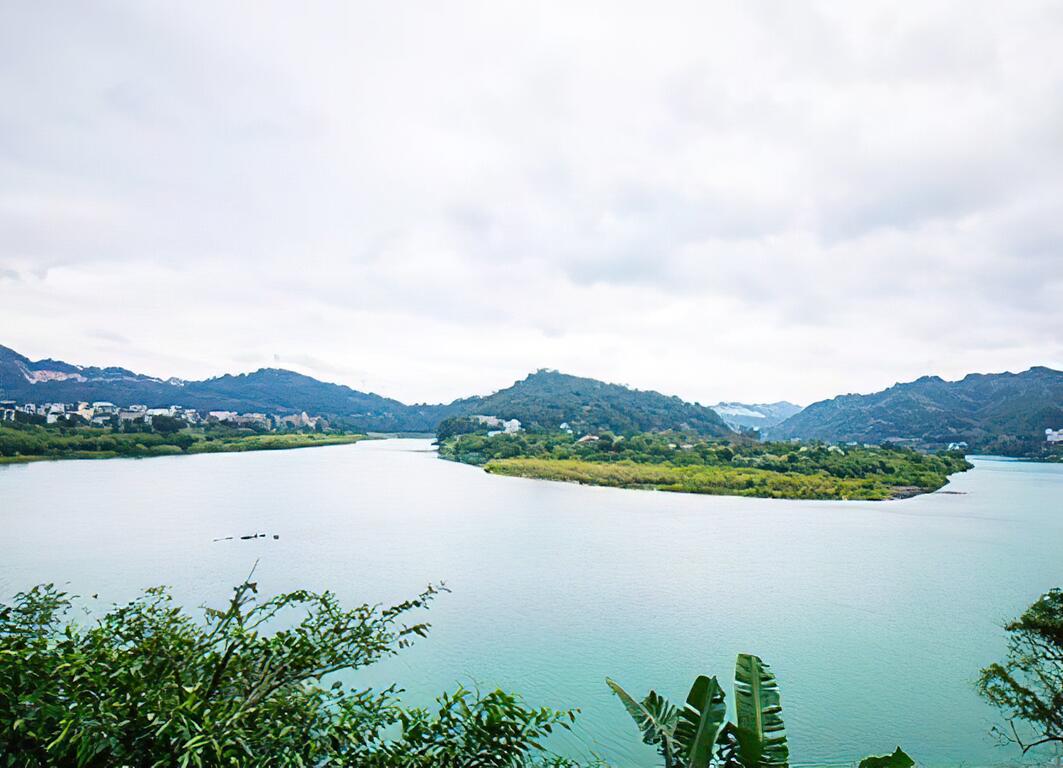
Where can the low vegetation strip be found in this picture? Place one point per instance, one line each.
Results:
(24, 443)
(732, 468)
(720, 481)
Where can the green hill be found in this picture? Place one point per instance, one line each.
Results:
(267, 390)
(547, 399)
(544, 399)
(1002, 413)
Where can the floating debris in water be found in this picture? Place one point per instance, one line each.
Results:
(248, 537)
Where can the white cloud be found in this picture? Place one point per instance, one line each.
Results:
(723, 201)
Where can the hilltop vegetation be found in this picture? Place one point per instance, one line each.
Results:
(735, 468)
(1004, 413)
(547, 399)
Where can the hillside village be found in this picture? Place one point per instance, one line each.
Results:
(106, 414)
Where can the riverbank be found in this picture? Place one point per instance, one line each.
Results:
(708, 480)
(18, 446)
(722, 468)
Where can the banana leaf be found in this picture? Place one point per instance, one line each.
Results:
(655, 717)
(758, 709)
(700, 721)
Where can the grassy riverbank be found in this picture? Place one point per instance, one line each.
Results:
(735, 468)
(24, 443)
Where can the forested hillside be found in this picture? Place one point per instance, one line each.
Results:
(547, 399)
(1005, 413)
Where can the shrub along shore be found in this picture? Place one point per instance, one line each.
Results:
(148, 683)
(30, 442)
(732, 468)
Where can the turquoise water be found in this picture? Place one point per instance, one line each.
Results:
(875, 616)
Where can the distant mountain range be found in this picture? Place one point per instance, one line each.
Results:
(1003, 413)
(268, 390)
(760, 416)
(544, 399)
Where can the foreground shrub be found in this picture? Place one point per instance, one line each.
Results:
(1028, 686)
(148, 685)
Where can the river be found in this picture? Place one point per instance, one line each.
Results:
(876, 616)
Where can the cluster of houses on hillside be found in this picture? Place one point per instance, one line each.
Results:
(104, 414)
(499, 426)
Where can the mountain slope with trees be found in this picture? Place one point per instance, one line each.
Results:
(547, 399)
(266, 390)
(1003, 413)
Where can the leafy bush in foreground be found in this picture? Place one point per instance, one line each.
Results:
(147, 685)
(1029, 685)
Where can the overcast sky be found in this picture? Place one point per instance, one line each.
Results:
(741, 200)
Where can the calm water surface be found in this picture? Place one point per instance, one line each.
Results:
(875, 616)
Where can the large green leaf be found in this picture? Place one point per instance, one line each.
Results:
(758, 709)
(655, 717)
(700, 721)
(897, 760)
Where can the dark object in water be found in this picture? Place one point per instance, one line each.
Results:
(275, 537)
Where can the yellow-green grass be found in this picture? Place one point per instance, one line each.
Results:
(724, 481)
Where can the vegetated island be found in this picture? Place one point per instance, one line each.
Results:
(736, 467)
(20, 442)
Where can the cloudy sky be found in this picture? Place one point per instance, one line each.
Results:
(727, 200)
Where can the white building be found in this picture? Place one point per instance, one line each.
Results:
(1054, 435)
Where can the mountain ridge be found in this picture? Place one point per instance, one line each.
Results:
(542, 399)
(1004, 413)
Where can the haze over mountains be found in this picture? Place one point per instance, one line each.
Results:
(758, 416)
(1005, 413)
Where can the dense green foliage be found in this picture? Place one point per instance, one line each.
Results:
(699, 735)
(148, 685)
(260, 682)
(1028, 686)
(1004, 414)
(548, 399)
(736, 467)
(29, 442)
